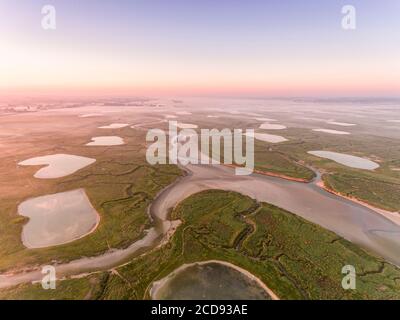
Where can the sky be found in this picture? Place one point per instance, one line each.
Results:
(202, 47)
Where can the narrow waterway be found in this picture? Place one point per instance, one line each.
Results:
(348, 219)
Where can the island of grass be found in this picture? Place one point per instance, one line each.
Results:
(383, 193)
(294, 258)
(278, 164)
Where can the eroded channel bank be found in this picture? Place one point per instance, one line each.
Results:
(354, 222)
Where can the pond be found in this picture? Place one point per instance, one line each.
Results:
(89, 115)
(331, 131)
(209, 281)
(181, 125)
(57, 218)
(106, 141)
(115, 126)
(343, 124)
(57, 165)
(270, 126)
(346, 159)
(267, 137)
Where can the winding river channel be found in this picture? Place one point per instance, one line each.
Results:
(353, 221)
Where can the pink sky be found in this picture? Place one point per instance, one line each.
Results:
(267, 48)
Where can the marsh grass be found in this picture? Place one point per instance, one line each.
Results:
(294, 258)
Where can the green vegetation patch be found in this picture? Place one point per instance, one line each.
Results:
(380, 193)
(293, 257)
(121, 194)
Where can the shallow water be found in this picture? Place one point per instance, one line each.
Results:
(210, 281)
(346, 159)
(89, 115)
(331, 131)
(58, 165)
(115, 126)
(267, 137)
(181, 125)
(106, 141)
(270, 126)
(343, 124)
(348, 219)
(57, 218)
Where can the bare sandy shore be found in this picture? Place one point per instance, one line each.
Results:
(392, 216)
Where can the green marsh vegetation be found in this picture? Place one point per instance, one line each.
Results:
(380, 187)
(120, 186)
(294, 258)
